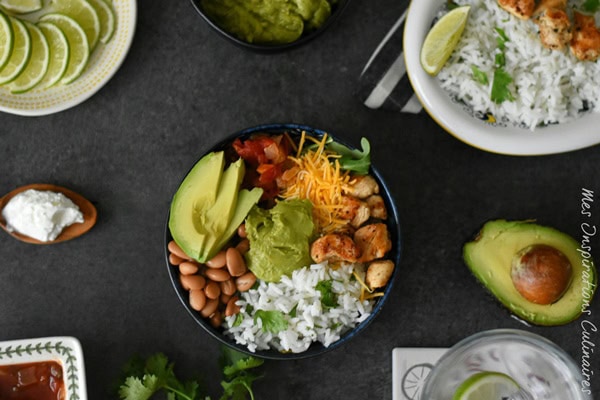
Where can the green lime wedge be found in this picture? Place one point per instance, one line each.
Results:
(59, 53)
(82, 12)
(6, 39)
(37, 66)
(486, 385)
(442, 39)
(108, 19)
(78, 44)
(20, 53)
(21, 6)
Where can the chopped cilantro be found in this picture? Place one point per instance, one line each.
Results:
(353, 160)
(479, 75)
(145, 378)
(451, 5)
(591, 5)
(502, 38)
(500, 60)
(328, 297)
(272, 321)
(500, 90)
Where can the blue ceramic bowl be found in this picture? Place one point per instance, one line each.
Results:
(272, 48)
(316, 348)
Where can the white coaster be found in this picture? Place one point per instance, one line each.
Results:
(410, 368)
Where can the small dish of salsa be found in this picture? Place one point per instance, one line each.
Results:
(49, 368)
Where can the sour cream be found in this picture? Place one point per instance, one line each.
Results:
(40, 214)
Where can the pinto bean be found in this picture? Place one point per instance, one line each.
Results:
(218, 261)
(197, 299)
(245, 282)
(175, 259)
(232, 308)
(192, 282)
(175, 249)
(235, 262)
(212, 290)
(241, 231)
(228, 287)
(217, 275)
(188, 268)
(210, 308)
(216, 320)
(243, 246)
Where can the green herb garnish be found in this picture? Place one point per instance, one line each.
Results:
(479, 75)
(328, 297)
(451, 5)
(145, 378)
(353, 160)
(502, 38)
(272, 321)
(500, 89)
(591, 5)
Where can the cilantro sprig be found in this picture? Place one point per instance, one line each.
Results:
(143, 378)
(591, 5)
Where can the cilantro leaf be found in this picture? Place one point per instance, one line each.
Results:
(502, 38)
(451, 5)
(328, 297)
(353, 160)
(272, 321)
(135, 388)
(500, 87)
(238, 380)
(479, 75)
(591, 5)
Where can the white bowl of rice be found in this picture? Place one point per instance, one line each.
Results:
(312, 326)
(556, 97)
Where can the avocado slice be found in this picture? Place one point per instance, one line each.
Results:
(490, 257)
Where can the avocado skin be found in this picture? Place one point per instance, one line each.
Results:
(489, 257)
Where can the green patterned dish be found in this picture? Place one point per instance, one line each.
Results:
(64, 349)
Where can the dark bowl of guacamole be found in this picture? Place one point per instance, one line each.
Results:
(270, 25)
(288, 231)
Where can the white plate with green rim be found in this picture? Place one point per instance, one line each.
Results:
(65, 350)
(104, 61)
(450, 115)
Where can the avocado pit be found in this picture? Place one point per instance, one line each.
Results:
(541, 273)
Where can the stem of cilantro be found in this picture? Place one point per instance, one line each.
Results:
(178, 392)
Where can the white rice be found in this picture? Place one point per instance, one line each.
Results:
(549, 86)
(299, 300)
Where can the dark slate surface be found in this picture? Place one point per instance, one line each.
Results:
(180, 90)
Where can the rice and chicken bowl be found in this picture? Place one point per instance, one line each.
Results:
(525, 66)
(311, 259)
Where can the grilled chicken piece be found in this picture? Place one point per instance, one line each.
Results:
(585, 44)
(522, 9)
(554, 23)
(355, 211)
(379, 273)
(377, 206)
(373, 240)
(334, 247)
(362, 186)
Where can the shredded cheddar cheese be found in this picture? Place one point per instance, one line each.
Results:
(317, 176)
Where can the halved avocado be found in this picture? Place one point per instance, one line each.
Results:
(490, 257)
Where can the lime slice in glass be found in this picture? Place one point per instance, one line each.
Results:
(21, 6)
(59, 53)
(442, 39)
(108, 19)
(82, 12)
(78, 45)
(37, 66)
(486, 385)
(20, 53)
(6, 39)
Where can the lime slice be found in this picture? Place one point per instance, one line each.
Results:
(82, 12)
(6, 39)
(78, 45)
(20, 53)
(442, 39)
(59, 53)
(108, 19)
(486, 385)
(21, 6)
(38, 62)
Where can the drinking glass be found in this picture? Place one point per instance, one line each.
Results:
(542, 369)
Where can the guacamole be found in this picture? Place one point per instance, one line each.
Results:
(279, 239)
(268, 21)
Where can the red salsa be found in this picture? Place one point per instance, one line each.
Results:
(32, 381)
